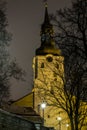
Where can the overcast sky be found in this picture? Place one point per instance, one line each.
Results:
(25, 18)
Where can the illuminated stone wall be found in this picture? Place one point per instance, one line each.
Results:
(48, 70)
(48, 73)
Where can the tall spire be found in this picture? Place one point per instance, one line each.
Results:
(46, 18)
(47, 42)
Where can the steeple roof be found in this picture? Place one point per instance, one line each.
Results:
(46, 18)
(47, 41)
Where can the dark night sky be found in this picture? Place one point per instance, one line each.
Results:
(25, 18)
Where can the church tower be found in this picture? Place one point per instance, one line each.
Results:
(47, 61)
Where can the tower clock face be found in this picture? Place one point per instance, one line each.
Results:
(49, 58)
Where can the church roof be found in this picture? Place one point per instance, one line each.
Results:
(24, 107)
(25, 112)
(25, 101)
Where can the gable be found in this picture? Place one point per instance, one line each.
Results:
(26, 101)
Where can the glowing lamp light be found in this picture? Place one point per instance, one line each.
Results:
(67, 125)
(59, 118)
(43, 105)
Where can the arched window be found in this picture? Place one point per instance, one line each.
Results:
(42, 65)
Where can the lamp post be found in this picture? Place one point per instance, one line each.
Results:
(59, 122)
(43, 106)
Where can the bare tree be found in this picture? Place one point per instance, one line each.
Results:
(8, 68)
(71, 37)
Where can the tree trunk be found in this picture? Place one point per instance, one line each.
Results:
(72, 123)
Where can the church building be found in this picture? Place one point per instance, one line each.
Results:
(48, 72)
(48, 78)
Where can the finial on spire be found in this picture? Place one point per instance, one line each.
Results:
(45, 3)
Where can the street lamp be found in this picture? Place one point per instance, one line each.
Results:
(43, 106)
(59, 122)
